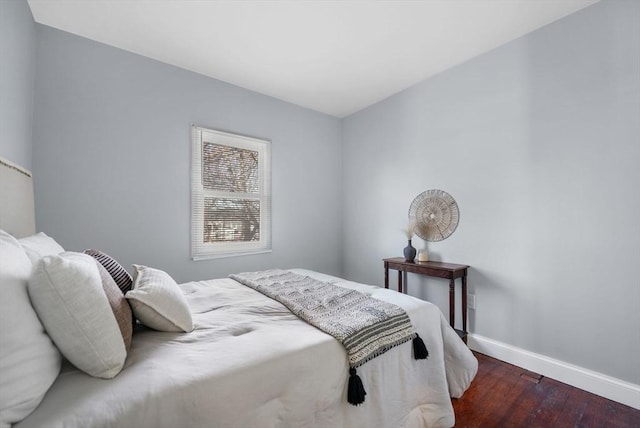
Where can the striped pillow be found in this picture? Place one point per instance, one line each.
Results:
(117, 272)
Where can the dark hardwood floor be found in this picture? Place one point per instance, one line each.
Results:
(503, 395)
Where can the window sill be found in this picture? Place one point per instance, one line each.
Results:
(226, 255)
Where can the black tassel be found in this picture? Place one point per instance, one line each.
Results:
(419, 349)
(356, 392)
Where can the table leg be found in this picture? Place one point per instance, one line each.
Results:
(386, 275)
(452, 301)
(400, 281)
(464, 303)
(406, 282)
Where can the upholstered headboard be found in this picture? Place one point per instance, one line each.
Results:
(17, 213)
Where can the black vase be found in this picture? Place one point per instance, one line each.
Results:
(409, 252)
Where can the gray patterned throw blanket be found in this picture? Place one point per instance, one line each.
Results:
(365, 326)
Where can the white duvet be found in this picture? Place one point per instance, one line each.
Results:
(250, 363)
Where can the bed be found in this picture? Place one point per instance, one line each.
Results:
(249, 362)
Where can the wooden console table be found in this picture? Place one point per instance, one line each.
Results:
(448, 271)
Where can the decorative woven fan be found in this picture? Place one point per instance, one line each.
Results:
(436, 215)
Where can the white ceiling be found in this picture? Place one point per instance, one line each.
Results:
(336, 57)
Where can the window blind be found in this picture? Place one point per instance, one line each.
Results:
(231, 194)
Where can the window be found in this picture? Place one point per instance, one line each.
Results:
(231, 194)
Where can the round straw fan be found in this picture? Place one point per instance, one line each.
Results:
(436, 215)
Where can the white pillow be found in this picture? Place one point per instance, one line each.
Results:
(66, 291)
(29, 362)
(158, 302)
(39, 245)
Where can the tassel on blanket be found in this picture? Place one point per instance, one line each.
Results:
(355, 392)
(419, 349)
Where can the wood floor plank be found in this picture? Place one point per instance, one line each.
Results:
(504, 395)
(574, 410)
(479, 407)
(552, 397)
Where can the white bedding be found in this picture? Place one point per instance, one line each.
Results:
(251, 363)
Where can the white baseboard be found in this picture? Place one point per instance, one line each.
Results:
(597, 383)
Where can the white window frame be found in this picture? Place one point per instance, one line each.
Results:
(201, 250)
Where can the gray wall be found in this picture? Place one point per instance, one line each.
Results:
(539, 143)
(112, 160)
(17, 67)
